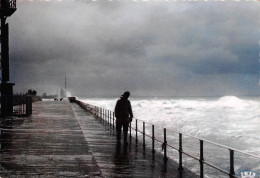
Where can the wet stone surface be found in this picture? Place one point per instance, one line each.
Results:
(119, 160)
(49, 143)
(63, 140)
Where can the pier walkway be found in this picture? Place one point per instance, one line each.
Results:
(61, 139)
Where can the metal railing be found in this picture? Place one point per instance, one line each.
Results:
(10, 4)
(108, 117)
(21, 105)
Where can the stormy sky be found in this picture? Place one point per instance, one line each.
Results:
(149, 48)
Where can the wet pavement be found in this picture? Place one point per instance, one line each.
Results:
(50, 143)
(63, 140)
(119, 160)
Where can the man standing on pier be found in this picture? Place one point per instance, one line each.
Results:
(124, 115)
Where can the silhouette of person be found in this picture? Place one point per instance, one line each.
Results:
(124, 115)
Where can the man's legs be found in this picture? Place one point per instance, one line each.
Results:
(125, 128)
(118, 130)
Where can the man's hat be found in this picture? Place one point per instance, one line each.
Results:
(127, 93)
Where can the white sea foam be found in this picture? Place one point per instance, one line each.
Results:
(228, 120)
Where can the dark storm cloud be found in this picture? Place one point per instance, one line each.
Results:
(149, 48)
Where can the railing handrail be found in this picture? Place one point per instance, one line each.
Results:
(198, 138)
(231, 173)
(205, 140)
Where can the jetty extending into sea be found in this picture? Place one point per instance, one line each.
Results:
(60, 139)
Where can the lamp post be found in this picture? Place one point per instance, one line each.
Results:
(7, 8)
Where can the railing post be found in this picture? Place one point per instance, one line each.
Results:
(130, 130)
(180, 152)
(103, 115)
(28, 105)
(201, 159)
(113, 121)
(106, 117)
(232, 171)
(100, 114)
(110, 120)
(143, 134)
(107, 114)
(153, 151)
(165, 145)
(136, 139)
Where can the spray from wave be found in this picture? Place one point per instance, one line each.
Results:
(227, 120)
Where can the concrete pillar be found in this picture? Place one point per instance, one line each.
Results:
(7, 99)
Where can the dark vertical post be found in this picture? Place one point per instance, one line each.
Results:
(103, 119)
(232, 171)
(28, 105)
(100, 110)
(103, 114)
(4, 49)
(23, 105)
(153, 151)
(113, 121)
(201, 159)
(165, 145)
(136, 139)
(106, 116)
(130, 130)
(143, 134)
(180, 152)
(110, 120)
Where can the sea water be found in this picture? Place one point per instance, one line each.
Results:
(229, 120)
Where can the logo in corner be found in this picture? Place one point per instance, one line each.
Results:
(248, 174)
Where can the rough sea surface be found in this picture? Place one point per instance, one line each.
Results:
(229, 120)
